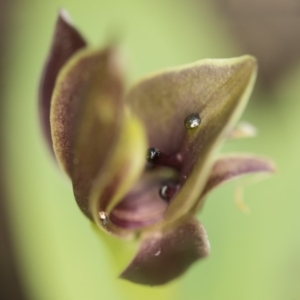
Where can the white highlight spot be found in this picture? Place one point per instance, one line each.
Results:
(103, 218)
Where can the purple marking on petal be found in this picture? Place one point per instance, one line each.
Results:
(131, 224)
(66, 41)
(141, 207)
(230, 167)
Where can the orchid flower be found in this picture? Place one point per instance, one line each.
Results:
(142, 161)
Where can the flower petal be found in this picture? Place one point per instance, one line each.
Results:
(66, 41)
(221, 100)
(87, 113)
(121, 171)
(233, 166)
(164, 100)
(163, 256)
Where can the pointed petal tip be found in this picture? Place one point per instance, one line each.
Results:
(66, 41)
(247, 63)
(64, 15)
(251, 62)
(247, 58)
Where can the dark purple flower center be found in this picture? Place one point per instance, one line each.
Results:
(147, 202)
(157, 158)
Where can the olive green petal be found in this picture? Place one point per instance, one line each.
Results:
(165, 99)
(66, 41)
(233, 166)
(164, 256)
(87, 113)
(223, 93)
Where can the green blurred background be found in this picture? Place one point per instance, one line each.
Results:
(57, 254)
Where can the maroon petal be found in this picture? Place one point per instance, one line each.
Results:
(86, 117)
(163, 256)
(233, 166)
(66, 41)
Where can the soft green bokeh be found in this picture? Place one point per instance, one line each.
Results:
(254, 256)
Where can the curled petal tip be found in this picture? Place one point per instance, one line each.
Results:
(232, 166)
(66, 41)
(163, 257)
(247, 59)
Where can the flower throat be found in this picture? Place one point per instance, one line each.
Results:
(156, 158)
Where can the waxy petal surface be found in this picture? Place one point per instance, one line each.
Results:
(163, 256)
(66, 41)
(86, 116)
